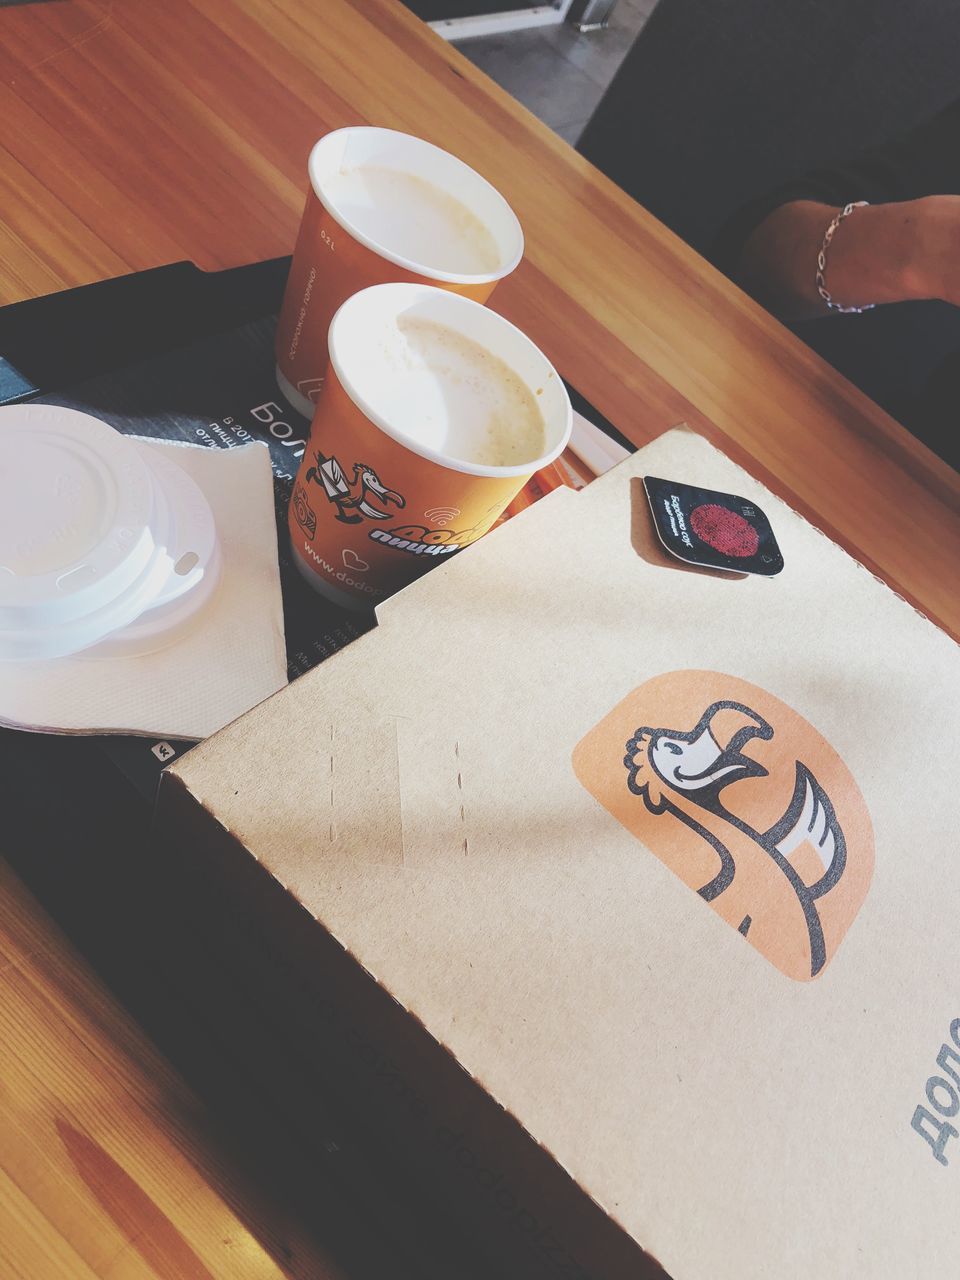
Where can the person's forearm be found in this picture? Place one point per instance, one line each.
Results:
(874, 257)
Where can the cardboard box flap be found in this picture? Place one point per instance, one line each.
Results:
(479, 800)
(409, 598)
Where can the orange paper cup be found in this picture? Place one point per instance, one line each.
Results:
(385, 206)
(381, 495)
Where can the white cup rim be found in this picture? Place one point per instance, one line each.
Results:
(338, 138)
(402, 295)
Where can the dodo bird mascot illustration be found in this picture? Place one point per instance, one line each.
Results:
(746, 803)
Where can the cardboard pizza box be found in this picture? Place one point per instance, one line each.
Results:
(617, 899)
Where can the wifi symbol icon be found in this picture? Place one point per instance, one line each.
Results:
(441, 516)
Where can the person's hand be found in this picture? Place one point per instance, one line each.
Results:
(935, 254)
(882, 253)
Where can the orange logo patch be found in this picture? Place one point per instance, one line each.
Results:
(743, 800)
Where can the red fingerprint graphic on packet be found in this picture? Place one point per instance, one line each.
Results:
(724, 530)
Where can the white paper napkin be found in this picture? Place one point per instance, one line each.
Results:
(232, 659)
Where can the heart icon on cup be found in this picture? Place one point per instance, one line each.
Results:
(352, 561)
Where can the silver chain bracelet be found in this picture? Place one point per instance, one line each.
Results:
(822, 289)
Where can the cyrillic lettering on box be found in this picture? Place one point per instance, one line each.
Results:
(941, 1132)
(945, 1057)
(938, 1082)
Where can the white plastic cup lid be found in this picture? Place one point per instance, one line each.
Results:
(77, 505)
(89, 524)
(195, 565)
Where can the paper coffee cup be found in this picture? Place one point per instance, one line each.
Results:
(385, 206)
(434, 414)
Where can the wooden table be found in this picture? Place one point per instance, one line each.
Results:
(140, 133)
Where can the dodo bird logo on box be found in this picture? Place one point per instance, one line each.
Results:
(745, 802)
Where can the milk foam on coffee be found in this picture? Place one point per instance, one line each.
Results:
(414, 219)
(449, 393)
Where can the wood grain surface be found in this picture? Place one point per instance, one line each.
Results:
(108, 1167)
(137, 133)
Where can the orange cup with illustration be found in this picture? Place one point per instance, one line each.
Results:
(385, 206)
(434, 413)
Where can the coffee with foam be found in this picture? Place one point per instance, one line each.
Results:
(450, 394)
(434, 412)
(414, 219)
